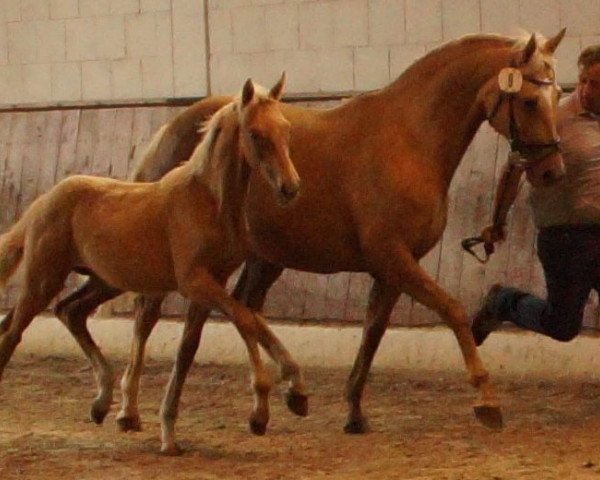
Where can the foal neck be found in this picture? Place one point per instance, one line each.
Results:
(218, 165)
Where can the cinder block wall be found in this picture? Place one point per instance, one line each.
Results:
(57, 51)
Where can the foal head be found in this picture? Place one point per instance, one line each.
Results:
(521, 104)
(264, 138)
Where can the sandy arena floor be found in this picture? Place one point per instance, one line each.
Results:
(422, 428)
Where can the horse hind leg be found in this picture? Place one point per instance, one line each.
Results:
(36, 293)
(73, 311)
(382, 299)
(147, 314)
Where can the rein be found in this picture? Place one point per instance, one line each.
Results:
(517, 159)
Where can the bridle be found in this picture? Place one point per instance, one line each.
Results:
(522, 155)
(521, 152)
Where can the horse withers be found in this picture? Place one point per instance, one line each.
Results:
(186, 232)
(376, 172)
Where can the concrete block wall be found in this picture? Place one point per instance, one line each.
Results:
(55, 51)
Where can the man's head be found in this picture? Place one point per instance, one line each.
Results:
(588, 85)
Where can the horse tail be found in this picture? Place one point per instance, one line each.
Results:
(175, 141)
(12, 246)
(157, 158)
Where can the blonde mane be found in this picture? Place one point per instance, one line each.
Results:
(210, 129)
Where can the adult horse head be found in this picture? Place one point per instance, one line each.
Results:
(521, 105)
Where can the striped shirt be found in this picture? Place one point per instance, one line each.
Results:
(575, 199)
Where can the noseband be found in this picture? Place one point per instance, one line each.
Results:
(521, 152)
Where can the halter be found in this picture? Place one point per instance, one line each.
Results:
(520, 150)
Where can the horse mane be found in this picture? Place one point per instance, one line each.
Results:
(210, 130)
(453, 49)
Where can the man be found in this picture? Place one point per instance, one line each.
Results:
(567, 215)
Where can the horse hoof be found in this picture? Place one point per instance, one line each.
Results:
(173, 450)
(258, 428)
(98, 414)
(129, 424)
(356, 426)
(297, 403)
(489, 416)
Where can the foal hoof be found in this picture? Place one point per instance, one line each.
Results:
(173, 450)
(129, 424)
(490, 416)
(98, 413)
(297, 403)
(258, 428)
(355, 426)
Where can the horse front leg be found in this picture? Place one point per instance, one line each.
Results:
(254, 282)
(382, 299)
(402, 270)
(296, 397)
(73, 311)
(190, 340)
(204, 290)
(147, 314)
(251, 288)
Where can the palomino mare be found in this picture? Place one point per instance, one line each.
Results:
(376, 172)
(186, 232)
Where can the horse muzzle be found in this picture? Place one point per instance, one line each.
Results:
(288, 192)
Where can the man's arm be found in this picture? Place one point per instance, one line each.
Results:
(506, 193)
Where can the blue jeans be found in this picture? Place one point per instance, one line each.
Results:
(570, 257)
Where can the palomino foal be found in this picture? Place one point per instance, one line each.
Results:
(185, 233)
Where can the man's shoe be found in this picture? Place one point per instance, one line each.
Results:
(484, 321)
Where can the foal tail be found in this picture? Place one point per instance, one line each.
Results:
(12, 246)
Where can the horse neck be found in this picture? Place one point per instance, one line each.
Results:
(436, 100)
(224, 172)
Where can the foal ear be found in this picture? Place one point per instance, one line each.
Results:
(552, 43)
(528, 51)
(277, 89)
(247, 92)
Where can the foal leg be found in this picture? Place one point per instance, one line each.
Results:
(204, 290)
(382, 299)
(73, 311)
(251, 289)
(402, 270)
(36, 293)
(147, 314)
(190, 340)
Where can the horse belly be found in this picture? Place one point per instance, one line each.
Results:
(303, 236)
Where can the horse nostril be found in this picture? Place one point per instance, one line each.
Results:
(551, 176)
(289, 192)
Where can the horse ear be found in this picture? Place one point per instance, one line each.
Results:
(277, 89)
(247, 92)
(528, 51)
(552, 43)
